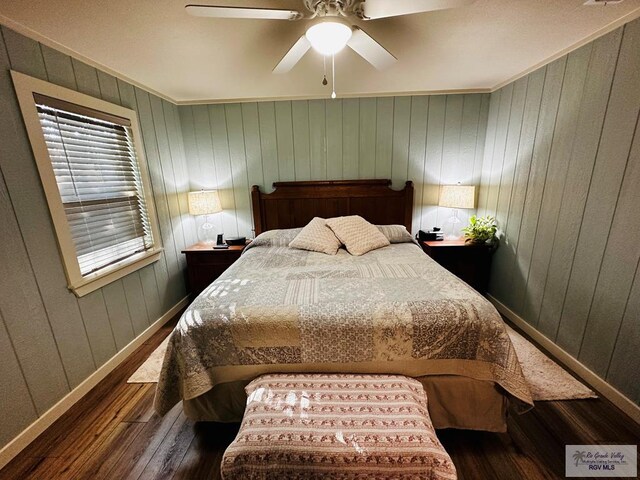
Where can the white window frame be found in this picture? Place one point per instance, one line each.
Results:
(25, 87)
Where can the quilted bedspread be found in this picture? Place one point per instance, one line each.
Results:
(393, 310)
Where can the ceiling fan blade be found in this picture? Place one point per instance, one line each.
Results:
(373, 9)
(293, 56)
(370, 50)
(242, 12)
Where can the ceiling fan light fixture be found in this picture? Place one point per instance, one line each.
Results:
(328, 37)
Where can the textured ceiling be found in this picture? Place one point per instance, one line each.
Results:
(154, 43)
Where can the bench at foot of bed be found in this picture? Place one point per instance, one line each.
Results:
(339, 426)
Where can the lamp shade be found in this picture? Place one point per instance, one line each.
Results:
(457, 196)
(204, 202)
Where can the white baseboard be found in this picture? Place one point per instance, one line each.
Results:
(13, 448)
(601, 386)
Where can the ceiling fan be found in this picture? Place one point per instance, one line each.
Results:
(330, 30)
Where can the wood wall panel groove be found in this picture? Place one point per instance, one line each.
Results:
(481, 138)
(506, 192)
(488, 152)
(568, 261)
(400, 147)
(617, 272)
(301, 140)
(432, 168)
(350, 138)
(235, 139)
(94, 311)
(384, 136)
(626, 356)
(57, 339)
(335, 151)
(580, 171)
(136, 305)
(86, 78)
(318, 141)
(512, 144)
(471, 114)
(269, 144)
(417, 149)
(571, 96)
(19, 402)
(284, 140)
(537, 178)
(222, 165)
(108, 87)
(59, 68)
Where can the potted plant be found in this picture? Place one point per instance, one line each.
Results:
(481, 230)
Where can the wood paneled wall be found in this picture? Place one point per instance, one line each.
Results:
(50, 340)
(562, 175)
(431, 140)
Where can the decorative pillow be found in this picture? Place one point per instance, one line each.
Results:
(357, 235)
(275, 238)
(317, 237)
(396, 233)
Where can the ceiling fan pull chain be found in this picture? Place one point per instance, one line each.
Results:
(324, 66)
(333, 75)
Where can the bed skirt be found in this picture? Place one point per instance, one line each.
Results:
(454, 402)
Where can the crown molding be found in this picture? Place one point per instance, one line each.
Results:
(29, 32)
(631, 16)
(43, 39)
(214, 101)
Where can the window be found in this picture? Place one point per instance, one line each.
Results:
(93, 173)
(97, 173)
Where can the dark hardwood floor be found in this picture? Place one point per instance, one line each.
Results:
(112, 433)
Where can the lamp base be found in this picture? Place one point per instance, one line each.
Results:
(207, 234)
(453, 227)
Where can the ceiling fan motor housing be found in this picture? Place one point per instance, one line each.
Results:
(332, 8)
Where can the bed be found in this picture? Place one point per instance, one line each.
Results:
(392, 310)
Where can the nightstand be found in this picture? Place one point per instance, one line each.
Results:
(470, 262)
(205, 264)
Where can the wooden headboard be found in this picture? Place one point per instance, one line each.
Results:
(294, 204)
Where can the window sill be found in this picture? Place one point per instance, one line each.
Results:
(93, 282)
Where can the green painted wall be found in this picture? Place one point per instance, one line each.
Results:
(50, 340)
(562, 175)
(431, 140)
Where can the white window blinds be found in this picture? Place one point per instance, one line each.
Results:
(98, 176)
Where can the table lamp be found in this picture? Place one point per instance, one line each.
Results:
(205, 203)
(455, 197)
